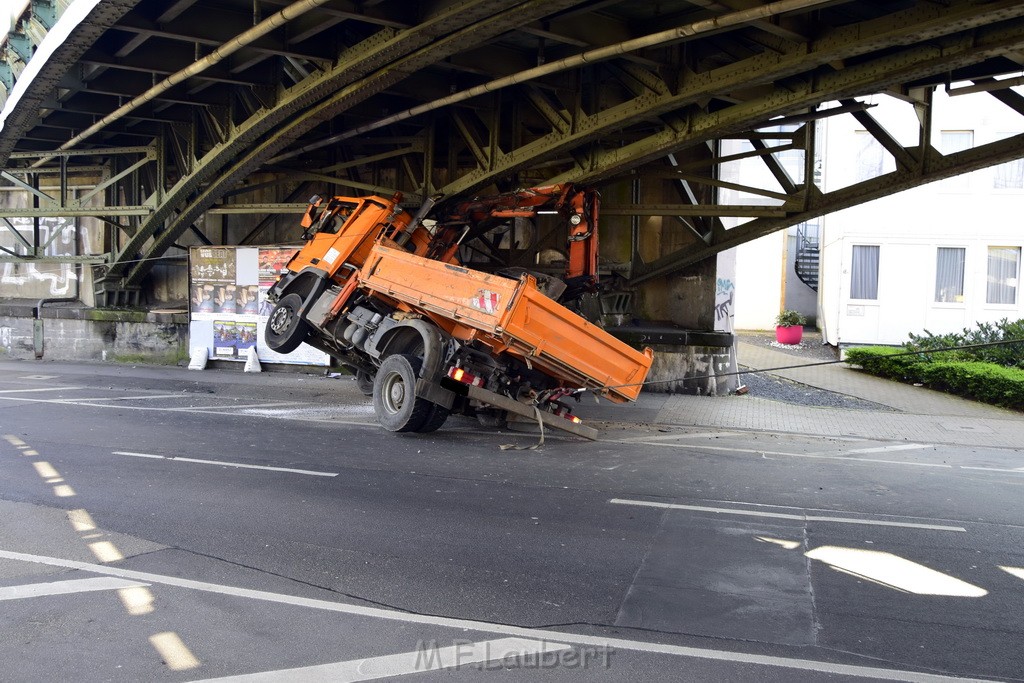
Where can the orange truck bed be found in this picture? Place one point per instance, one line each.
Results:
(512, 316)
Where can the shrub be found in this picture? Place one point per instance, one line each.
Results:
(981, 381)
(790, 318)
(986, 382)
(883, 361)
(1007, 355)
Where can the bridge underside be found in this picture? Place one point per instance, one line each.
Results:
(155, 116)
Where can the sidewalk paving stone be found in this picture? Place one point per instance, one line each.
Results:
(920, 414)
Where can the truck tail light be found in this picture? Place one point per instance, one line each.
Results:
(460, 375)
(567, 414)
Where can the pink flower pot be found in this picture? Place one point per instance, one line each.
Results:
(789, 335)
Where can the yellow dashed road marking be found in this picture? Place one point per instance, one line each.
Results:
(105, 551)
(137, 600)
(81, 520)
(46, 470)
(173, 651)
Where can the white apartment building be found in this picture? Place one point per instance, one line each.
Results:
(940, 257)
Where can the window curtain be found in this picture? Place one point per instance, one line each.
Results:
(951, 141)
(864, 272)
(1003, 265)
(870, 156)
(1009, 176)
(949, 275)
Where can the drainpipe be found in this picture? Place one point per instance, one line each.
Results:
(238, 42)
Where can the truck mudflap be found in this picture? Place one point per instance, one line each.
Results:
(528, 411)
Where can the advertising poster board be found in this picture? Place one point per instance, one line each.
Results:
(229, 308)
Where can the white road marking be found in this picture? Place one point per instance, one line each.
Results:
(884, 449)
(761, 452)
(26, 391)
(894, 572)
(227, 406)
(991, 469)
(429, 658)
(699, 446)
(299, 411)
(63, 491)
(256, 467)
(782, 515)
(1013, 571)
(222, 463)
(140, 455)
(36, 590)
(669, 437)
(486, 627)
(128, 398)
(781, 542)
(902, 462)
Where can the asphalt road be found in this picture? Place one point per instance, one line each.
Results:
(161, 524)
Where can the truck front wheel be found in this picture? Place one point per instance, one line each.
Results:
(394, 395)
(285, 329)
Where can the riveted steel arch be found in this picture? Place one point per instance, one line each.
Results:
(464, 32)
(465, 96)
(373, 56)
(661, 97)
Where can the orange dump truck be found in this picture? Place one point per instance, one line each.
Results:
(426, 336)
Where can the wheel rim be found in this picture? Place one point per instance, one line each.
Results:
(393, 392)
(280, 320)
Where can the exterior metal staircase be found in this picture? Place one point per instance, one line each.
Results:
(808, 256)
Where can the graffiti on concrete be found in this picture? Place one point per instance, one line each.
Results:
(61, 276)
(724, 298)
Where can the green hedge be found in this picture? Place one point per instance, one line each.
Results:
(1010, 354)
(878, 360)
(986, 382)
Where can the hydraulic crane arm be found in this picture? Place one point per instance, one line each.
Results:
(578, 208)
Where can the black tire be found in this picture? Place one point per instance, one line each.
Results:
(285, 329)
(394, 395)
(364, 382)
(437, 417)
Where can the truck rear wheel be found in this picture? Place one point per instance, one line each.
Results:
(364, 381)
(394, 395)
(438, 416)
(285, 329)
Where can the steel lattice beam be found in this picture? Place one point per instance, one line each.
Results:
(355, 64)
(924, 23)
(809, 202)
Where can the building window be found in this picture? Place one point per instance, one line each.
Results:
(1003, 268)
(864, 272)
(950, 142)
(956, 141)
(870, 156)
(1009, 176)
(949, 275)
